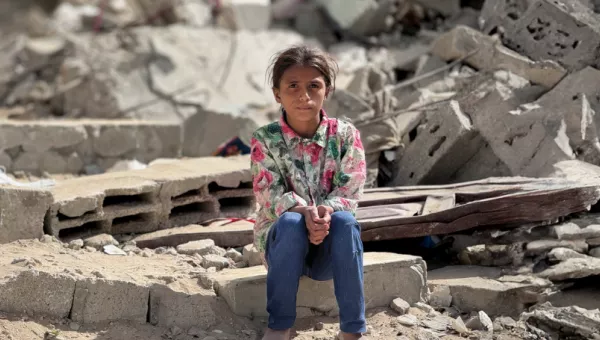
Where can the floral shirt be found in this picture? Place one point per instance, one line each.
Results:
(288, 170)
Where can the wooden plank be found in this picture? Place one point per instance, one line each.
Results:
(394, 210)
(508, 210)
(434, 203)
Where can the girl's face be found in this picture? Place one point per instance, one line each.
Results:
(301, 92)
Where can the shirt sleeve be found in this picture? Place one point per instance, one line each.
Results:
(349, 181)
(269, 185)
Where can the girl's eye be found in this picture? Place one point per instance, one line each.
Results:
(293, 86)
(314, 85)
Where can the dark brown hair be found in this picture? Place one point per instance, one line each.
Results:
(303, 56)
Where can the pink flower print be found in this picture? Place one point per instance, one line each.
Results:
(287, 130)
(263, 179)
(357, 142)
(327, 179)
(314, 150)
(258, 154)
(333, 128)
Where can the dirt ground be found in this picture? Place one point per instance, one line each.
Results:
(179, 269)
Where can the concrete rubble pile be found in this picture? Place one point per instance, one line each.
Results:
(495, 93)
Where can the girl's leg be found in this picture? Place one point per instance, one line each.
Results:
(341, 256)
(287, 246)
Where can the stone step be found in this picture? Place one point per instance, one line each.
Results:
(386, 276)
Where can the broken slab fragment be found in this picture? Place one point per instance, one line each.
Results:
(387, 276)
(22, 212)
(236, 234)
(568, 322)
(492, 55)
(252, 15)
(540, 246)
(572, 268)
(475, 289)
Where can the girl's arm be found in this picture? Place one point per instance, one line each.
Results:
(269, 184)
(349, 181)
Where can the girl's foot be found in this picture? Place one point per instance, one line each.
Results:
(350, 336)
(271, 334)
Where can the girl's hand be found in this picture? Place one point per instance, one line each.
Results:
(318, 227)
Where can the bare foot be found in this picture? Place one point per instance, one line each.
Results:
(350, 336)
(271, 334)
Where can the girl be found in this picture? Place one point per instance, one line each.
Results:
(308, 174)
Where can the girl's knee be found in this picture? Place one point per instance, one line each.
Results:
(291, 224)
(343, 218)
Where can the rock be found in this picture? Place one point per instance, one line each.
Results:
(76, 244)
(492, 255)
(486, 322)
(541, 246)
(505, 322)
(595, 252)
(440, 297)
(194, 13)
(234, 255)
(424, 307)
(99, 241)
(438, 323)
(566, 321)
(462, 40)
(563, 254)
(200, 247)
(407, 320)
(212, 260)
(400, 306)
(48, 239)
(571, 231)
(573, 268)
(459, 326)
(251, 255)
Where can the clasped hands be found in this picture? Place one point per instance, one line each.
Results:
(317, 221)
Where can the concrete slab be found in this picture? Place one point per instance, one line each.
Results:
(475, 288)
(236, 234)
(22, 212)
(387, 276)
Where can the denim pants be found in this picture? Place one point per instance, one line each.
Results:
(338, 257)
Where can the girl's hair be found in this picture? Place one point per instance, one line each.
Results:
(303, 56)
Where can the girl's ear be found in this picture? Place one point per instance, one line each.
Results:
(327, 91)
(276, 95)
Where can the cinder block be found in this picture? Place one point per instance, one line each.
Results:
(37, 293)
(22, 212)
(564, 31)
(441, 148)
(386, 277)
(99, 301)
(170, 307)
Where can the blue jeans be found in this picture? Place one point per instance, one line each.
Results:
(339, 257)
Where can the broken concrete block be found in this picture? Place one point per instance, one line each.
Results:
(475, 289)
(493, 255)
(563, 254)
(572, 268)
(572, 321)
(23, 211)
(217, 261)
(251, 255)
(99, 241)
(358, 16)
(387, 276)
(200, 247)
(252, 15)
(541, 246)
(571, 231)
(98, 301)
(440, 297)
(491, 55)
(447, 142)
(495, 15)
(563, 31)
(522, 141)
(36, 293)
(171, 306)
